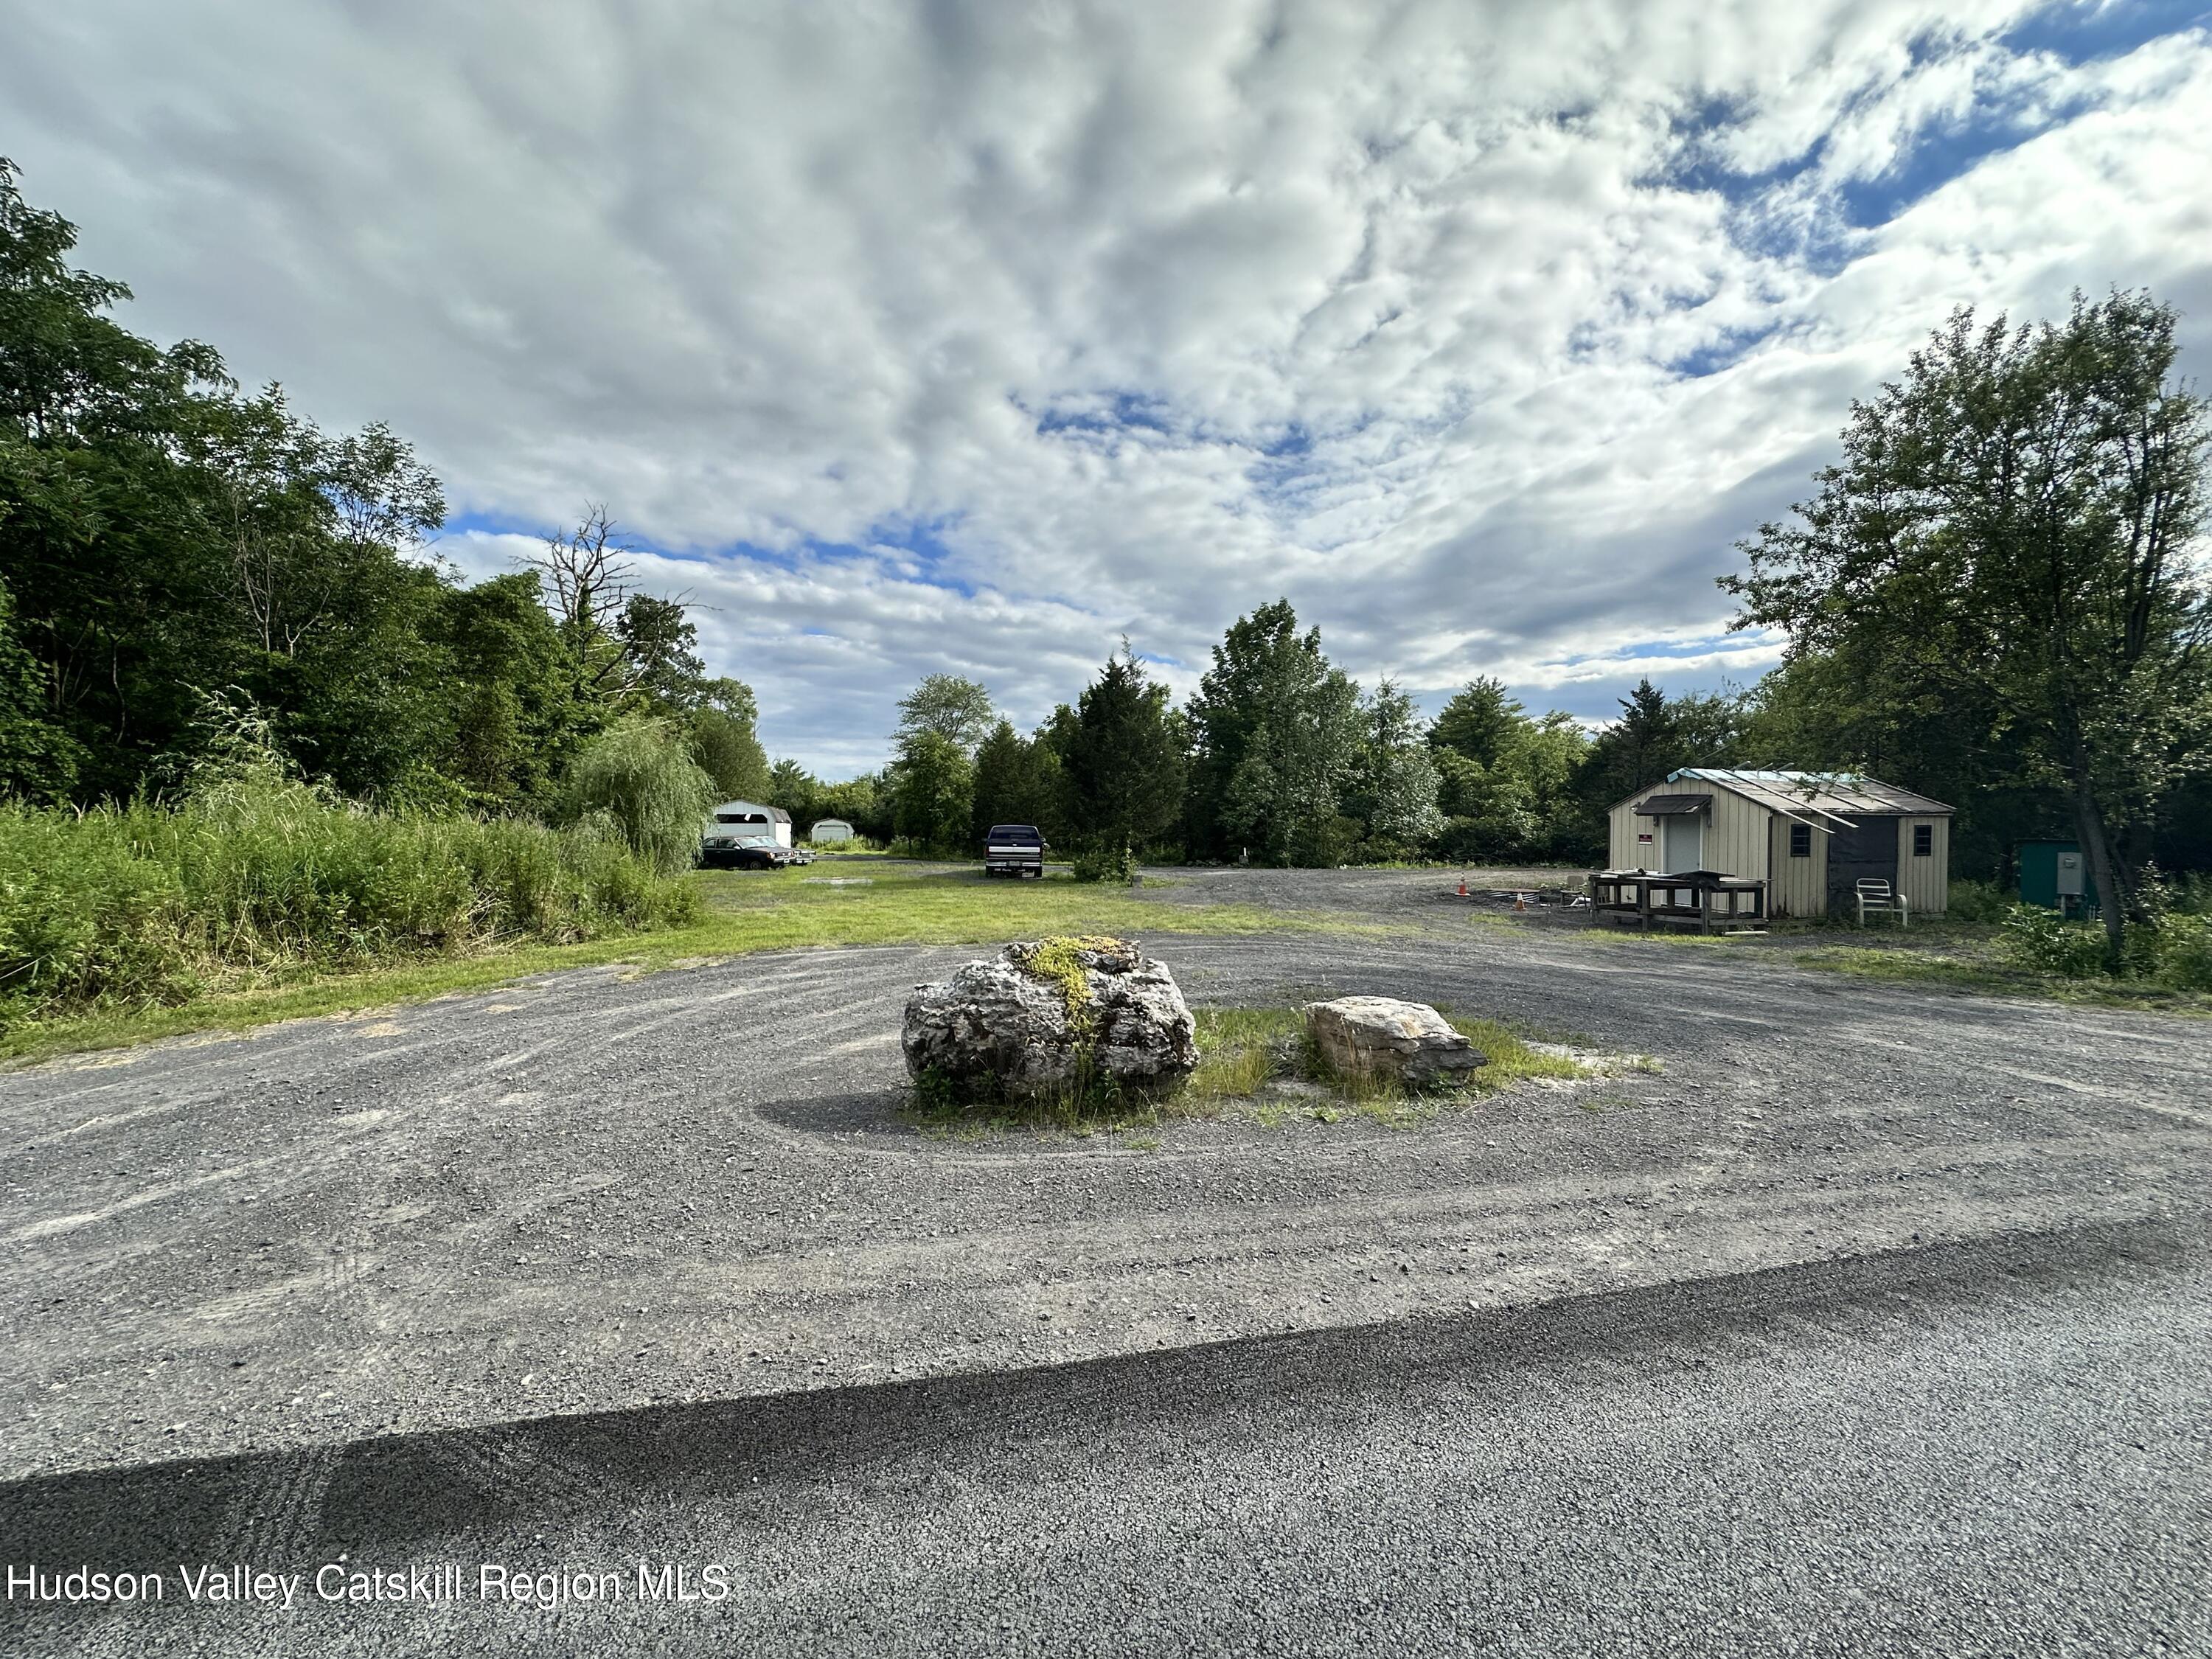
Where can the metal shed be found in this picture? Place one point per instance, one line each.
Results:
(752, 820)
(1811, 836)
(831, 830)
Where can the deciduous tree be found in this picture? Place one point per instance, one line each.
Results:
(2013, 527)
(954, 708)
(1278, 734)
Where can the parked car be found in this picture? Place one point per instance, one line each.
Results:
(743, 834)
(1013, 849)
(743, 852)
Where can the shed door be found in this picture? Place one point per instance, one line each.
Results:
(1859, 850)
(1681, 842)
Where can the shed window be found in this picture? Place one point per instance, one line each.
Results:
(1924, 841)
(1800, 840)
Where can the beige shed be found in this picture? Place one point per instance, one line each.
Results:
(1811, 836)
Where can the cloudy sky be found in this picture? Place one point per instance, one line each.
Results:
(974, 336)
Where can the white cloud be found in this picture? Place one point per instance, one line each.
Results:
(1147, 313)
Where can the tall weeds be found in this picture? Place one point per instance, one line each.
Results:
(258, 875)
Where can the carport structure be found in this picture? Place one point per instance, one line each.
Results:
(1811, 836)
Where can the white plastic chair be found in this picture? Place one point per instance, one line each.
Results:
(1875, 898)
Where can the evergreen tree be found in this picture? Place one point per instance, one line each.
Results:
(1655, 736)
(1018, 781)
(1125, 760)
(1481, 722)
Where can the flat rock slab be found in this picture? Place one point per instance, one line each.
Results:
(1385, 1039)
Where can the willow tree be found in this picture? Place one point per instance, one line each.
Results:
(2012, 536)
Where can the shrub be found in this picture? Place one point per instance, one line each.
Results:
(1107, 864)
(2184, 952)
(1979, 901)
(82, 917)
(2045, 943)
(2189, 894)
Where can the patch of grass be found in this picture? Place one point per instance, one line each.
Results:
(734, 913)
(1512, 1057)
(1610, 935)
(1988, 973)
(1240, 1049)
(1604, 1102)
(1255, 1045)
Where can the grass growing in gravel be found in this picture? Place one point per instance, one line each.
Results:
(1247, 1048)
(1953, 952)
(1510, 1059)
(733, 913)
(1970, 963)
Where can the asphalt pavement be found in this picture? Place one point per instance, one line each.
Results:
(1995, 1449)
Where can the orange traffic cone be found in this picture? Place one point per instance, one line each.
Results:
(1462, 886)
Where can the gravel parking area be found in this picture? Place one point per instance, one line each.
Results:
(596, 1194)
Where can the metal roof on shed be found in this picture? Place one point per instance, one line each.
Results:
(1667, 806)
(773, 814)
(1824, 793)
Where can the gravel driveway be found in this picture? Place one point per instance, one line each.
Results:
(642, 1198)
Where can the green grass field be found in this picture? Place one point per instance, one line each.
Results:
(743, 912)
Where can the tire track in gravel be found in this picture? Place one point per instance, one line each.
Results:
(705, 1161)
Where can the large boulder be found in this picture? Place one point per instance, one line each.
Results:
(1034, 1019)
(1381, 1039)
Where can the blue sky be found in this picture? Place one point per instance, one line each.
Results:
(974, 338)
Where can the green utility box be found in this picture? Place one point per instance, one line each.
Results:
(2055, 874)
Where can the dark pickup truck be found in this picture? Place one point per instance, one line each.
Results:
(1013, 849)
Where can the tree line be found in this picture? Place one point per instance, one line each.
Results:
(1998, 597)
(1281, 758)
(175, 552)
(1995, 596)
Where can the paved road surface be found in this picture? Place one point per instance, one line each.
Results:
(1996, 1448)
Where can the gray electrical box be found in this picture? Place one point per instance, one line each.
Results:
(2069, 875)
